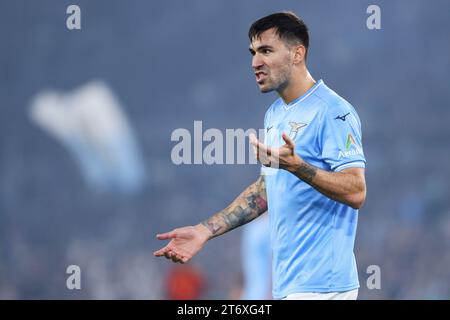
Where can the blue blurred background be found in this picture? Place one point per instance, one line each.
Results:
(93, 189)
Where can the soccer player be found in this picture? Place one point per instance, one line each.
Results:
(313, 139)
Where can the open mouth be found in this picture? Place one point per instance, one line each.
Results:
(260, 76)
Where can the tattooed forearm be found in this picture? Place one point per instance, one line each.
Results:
(347, 186)
(306, 172)
(247, 206)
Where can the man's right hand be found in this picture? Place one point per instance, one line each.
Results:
(184, 244)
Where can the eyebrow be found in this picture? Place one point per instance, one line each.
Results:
(260, 48)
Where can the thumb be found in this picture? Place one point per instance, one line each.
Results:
(168, 235)
(288, 140)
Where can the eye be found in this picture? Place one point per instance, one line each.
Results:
(267, 51)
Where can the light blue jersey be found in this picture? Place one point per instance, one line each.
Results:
(312, 236)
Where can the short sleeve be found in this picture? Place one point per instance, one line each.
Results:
(340, 138)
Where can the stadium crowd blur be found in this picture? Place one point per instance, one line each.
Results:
(92, 186)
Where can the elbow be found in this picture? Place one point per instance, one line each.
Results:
(357, 199)
(355, 194)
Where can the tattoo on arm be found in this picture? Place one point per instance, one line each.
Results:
(248, 205)
(306, 172)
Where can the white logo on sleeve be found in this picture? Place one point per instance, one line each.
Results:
(351, 148)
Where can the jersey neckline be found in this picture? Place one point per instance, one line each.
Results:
(303, 97)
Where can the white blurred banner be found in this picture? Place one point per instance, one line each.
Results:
(90, 122)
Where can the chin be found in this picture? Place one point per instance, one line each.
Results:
(265, 89)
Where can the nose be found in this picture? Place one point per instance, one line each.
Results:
(257, 62)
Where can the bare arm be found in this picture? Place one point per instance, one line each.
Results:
(251, 203)
(347, 186)
(187, 241)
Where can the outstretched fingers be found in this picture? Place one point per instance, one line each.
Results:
(254, 143)
(161, 252)
(261, 147)
(167, 235)
(168, 253)
(262, 151)
(175, 257)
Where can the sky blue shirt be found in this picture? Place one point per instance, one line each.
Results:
(312, 236)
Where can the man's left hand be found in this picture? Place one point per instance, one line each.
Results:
(283, 157)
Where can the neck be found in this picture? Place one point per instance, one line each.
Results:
(298, 85)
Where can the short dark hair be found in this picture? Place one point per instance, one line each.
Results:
(289, 27)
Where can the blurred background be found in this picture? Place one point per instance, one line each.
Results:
(86, 117)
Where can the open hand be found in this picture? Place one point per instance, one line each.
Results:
(184, 244)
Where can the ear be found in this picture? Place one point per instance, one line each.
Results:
(299, 54)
